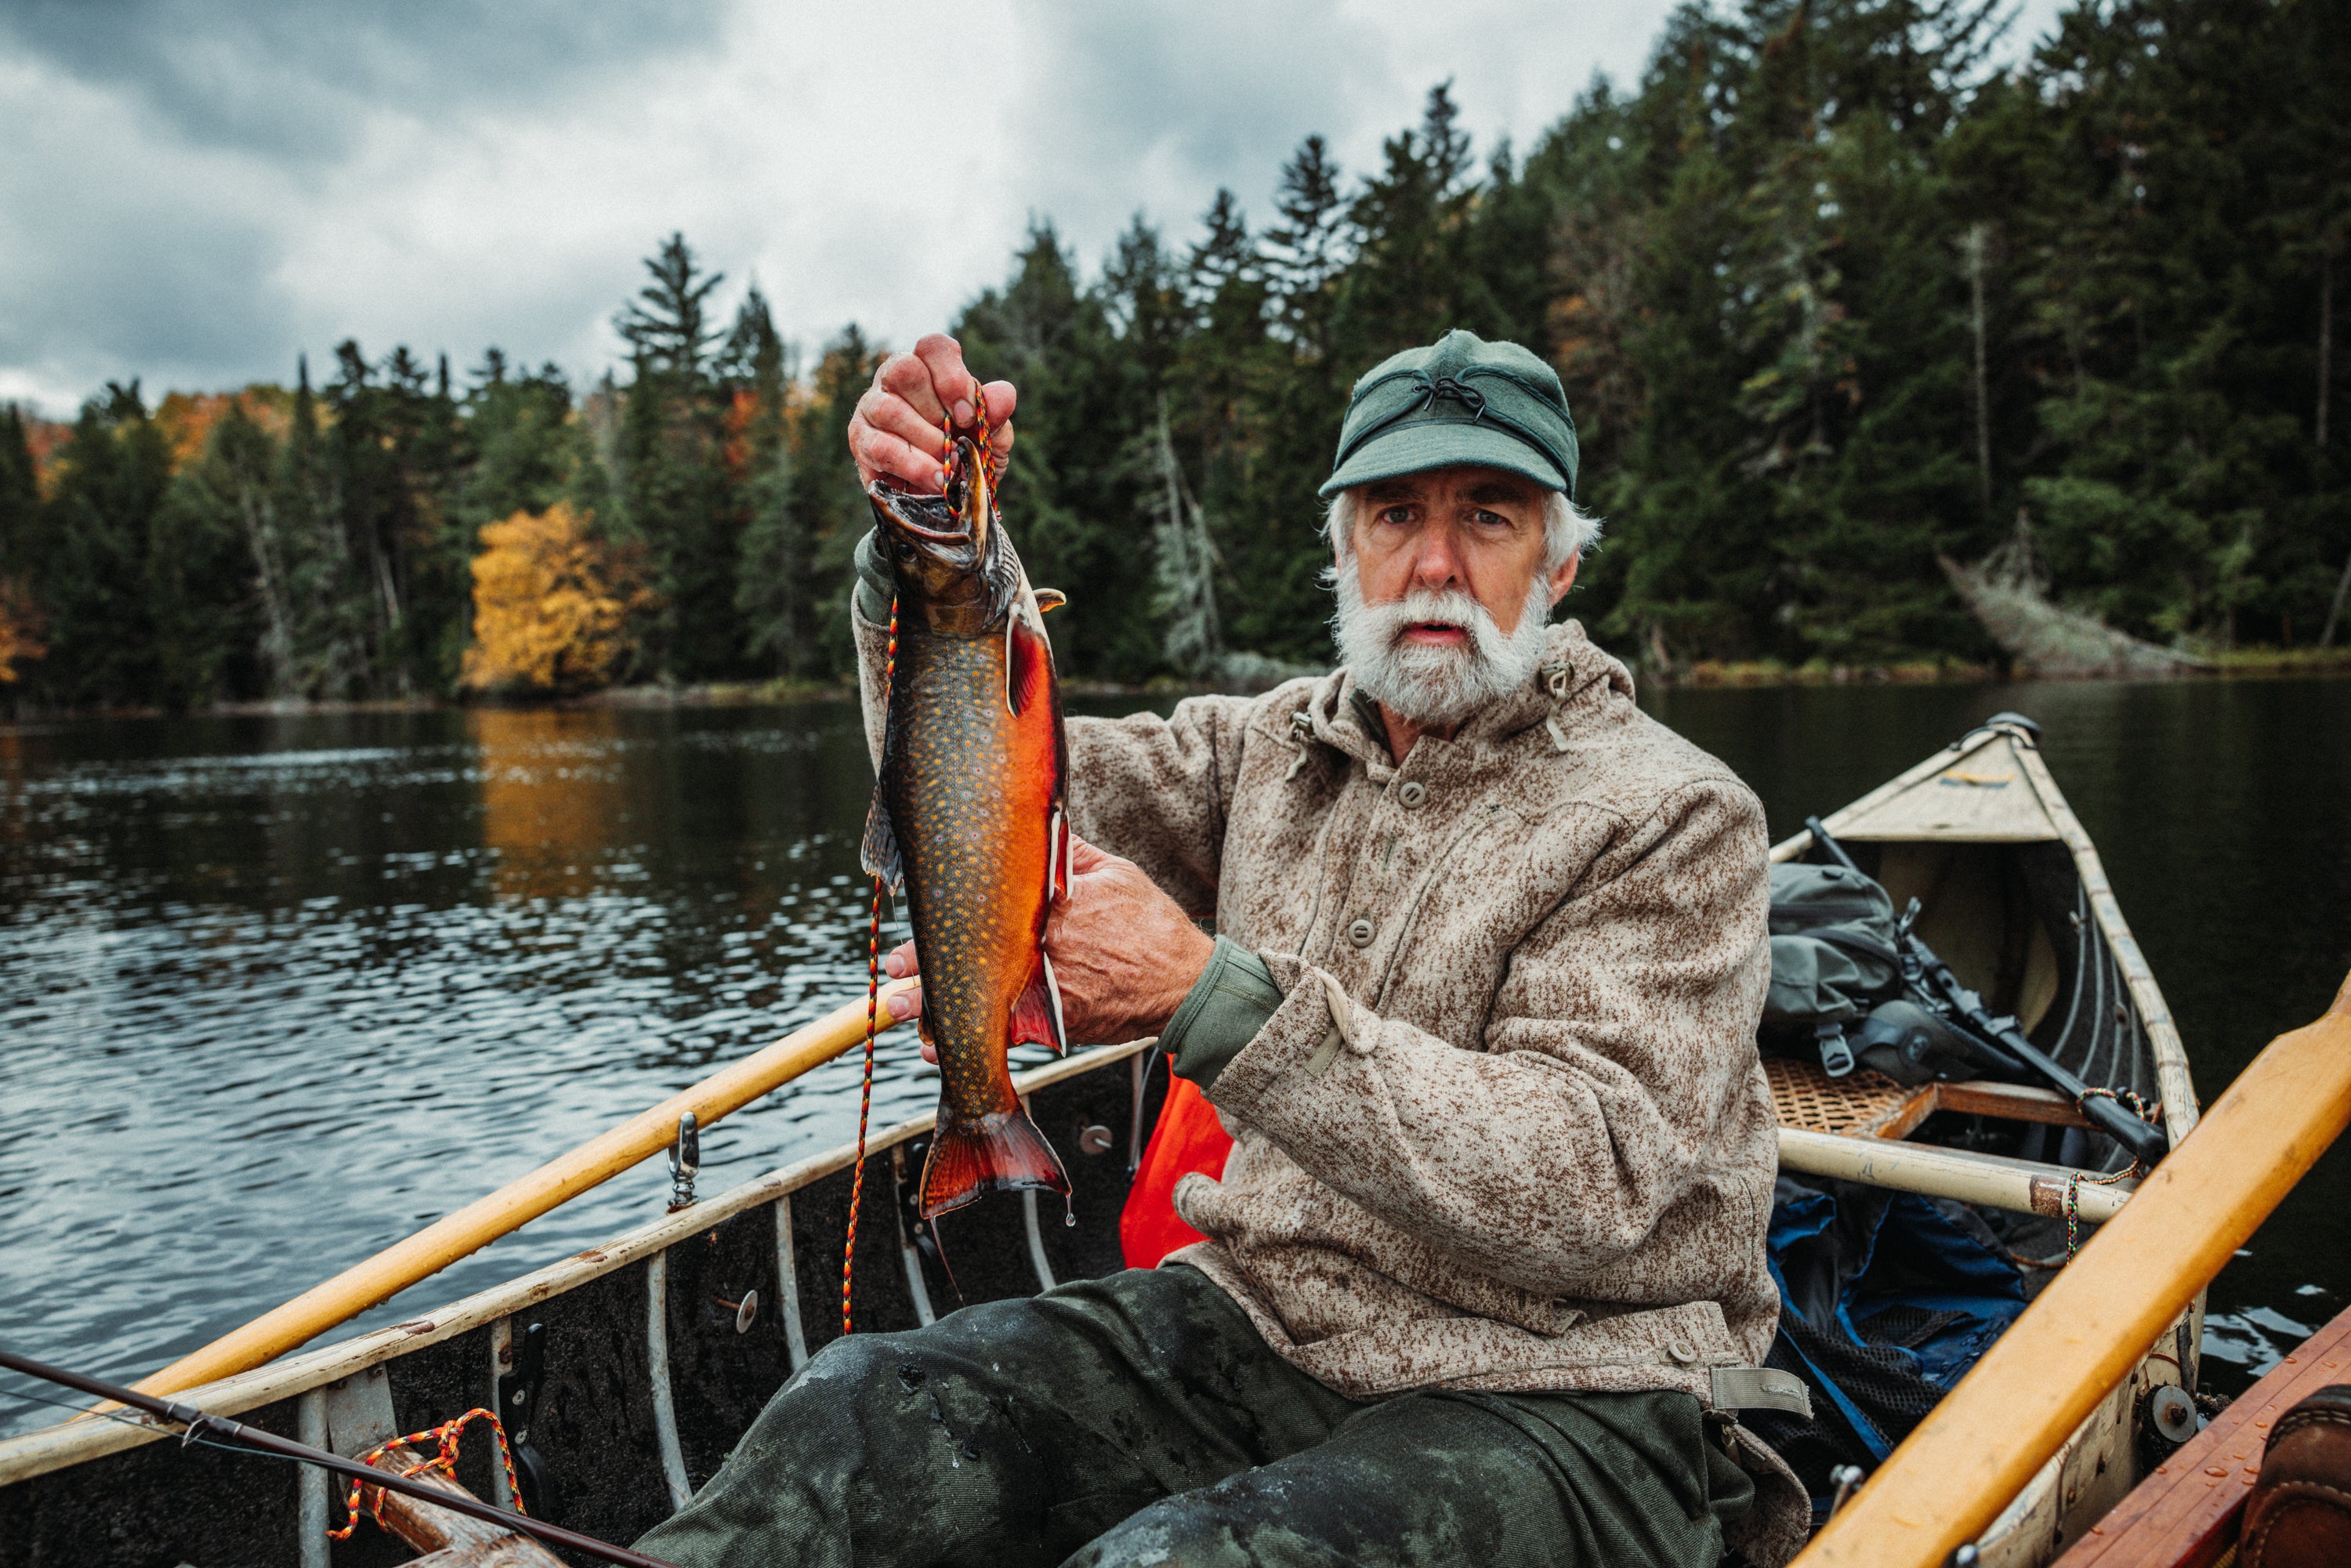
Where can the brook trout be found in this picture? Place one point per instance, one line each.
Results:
(969, 816)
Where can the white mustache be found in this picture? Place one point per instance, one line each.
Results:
(1432, 683)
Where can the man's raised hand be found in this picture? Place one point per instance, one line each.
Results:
(899, 430)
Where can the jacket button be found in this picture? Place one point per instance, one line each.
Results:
(1413, 793)
(1361, 933)
(1681, 1352)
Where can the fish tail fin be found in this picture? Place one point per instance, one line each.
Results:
(1037, 1015)
(1001, 1152)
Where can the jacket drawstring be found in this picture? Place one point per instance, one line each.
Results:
(1301, 730)
(1555, 677)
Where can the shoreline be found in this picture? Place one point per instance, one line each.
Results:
(2260, 663)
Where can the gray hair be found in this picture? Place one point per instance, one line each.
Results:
(1568, 531)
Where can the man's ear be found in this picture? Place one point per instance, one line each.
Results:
(1563, 578)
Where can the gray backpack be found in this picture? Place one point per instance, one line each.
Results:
(1838, 989)
(1833, 960)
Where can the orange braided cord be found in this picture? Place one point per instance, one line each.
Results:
(445, 1462)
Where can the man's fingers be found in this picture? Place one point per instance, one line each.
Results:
(889, 412)
(878, 453)
(900, 964)
(1084, 857)
(910, 377)
(1001, 398)
(999, 448)
(903, 1005)
(951, 380)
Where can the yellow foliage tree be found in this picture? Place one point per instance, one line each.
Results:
(20, 628)
(551, 605)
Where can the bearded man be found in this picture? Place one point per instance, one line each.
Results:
(1483, 1277)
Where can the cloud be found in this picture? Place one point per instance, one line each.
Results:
(294, 80)
(196, 191)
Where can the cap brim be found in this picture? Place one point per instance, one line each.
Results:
(1441, 443)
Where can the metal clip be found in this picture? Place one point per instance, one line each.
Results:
(1845, 1478)
(684, 1159)
(1836, 1056)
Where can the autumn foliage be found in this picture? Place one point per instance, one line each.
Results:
(552, 605)
(20, 626)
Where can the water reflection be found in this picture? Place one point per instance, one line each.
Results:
(554, 808)
(273, 992)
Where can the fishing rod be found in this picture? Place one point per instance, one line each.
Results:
(236, 1435)
(1932, 981)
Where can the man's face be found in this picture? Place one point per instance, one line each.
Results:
(1443, 598)
(1465, 529)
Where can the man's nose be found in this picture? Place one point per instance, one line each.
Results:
(1436, 559)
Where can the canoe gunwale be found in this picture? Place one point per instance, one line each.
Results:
(79, 1439)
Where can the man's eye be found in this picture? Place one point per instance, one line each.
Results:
(1397, 515)
(1492, 520)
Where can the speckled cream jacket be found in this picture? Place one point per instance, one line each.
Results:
(1508, 1130)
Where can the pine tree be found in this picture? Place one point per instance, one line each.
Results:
(673, 483)
(774, 589)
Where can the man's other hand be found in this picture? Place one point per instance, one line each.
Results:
(1124, 953)
(900, 428)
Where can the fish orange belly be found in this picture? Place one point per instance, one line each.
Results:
(971, 786)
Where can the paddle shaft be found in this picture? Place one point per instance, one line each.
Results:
(2145, 1141)
(484, 1220)
(254, 1440)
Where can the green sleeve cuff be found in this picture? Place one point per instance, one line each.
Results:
(876, 586)
(1222, 1013)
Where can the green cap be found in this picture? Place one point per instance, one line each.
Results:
(1463, 401)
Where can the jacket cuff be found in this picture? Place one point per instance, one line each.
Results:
(1304, 1035)
(875, 585)
(1222, 1013)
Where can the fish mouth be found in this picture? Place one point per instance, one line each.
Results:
(916, 531)
(953, 519)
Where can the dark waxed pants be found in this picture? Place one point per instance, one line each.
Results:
(1140, 1419)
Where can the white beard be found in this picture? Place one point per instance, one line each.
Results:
(1436, 686)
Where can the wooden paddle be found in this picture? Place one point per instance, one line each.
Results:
(484, 1220)
(1955, 1473)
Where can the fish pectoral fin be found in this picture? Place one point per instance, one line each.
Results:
(1028, 665)
(879, 853)
(1048, 598)
(1037, 1015)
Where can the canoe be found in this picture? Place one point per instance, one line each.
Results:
(2189, 1511)
(628, 1371)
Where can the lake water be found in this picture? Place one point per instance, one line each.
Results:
(277, 992)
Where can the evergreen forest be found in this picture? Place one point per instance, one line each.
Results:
(1835, 298)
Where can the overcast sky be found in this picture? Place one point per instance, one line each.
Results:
(192, 192)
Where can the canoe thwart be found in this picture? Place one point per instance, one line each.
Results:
(2020, 1186)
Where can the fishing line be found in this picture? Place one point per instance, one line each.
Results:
(191, 1435)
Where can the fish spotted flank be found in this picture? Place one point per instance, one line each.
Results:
(968, 817)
